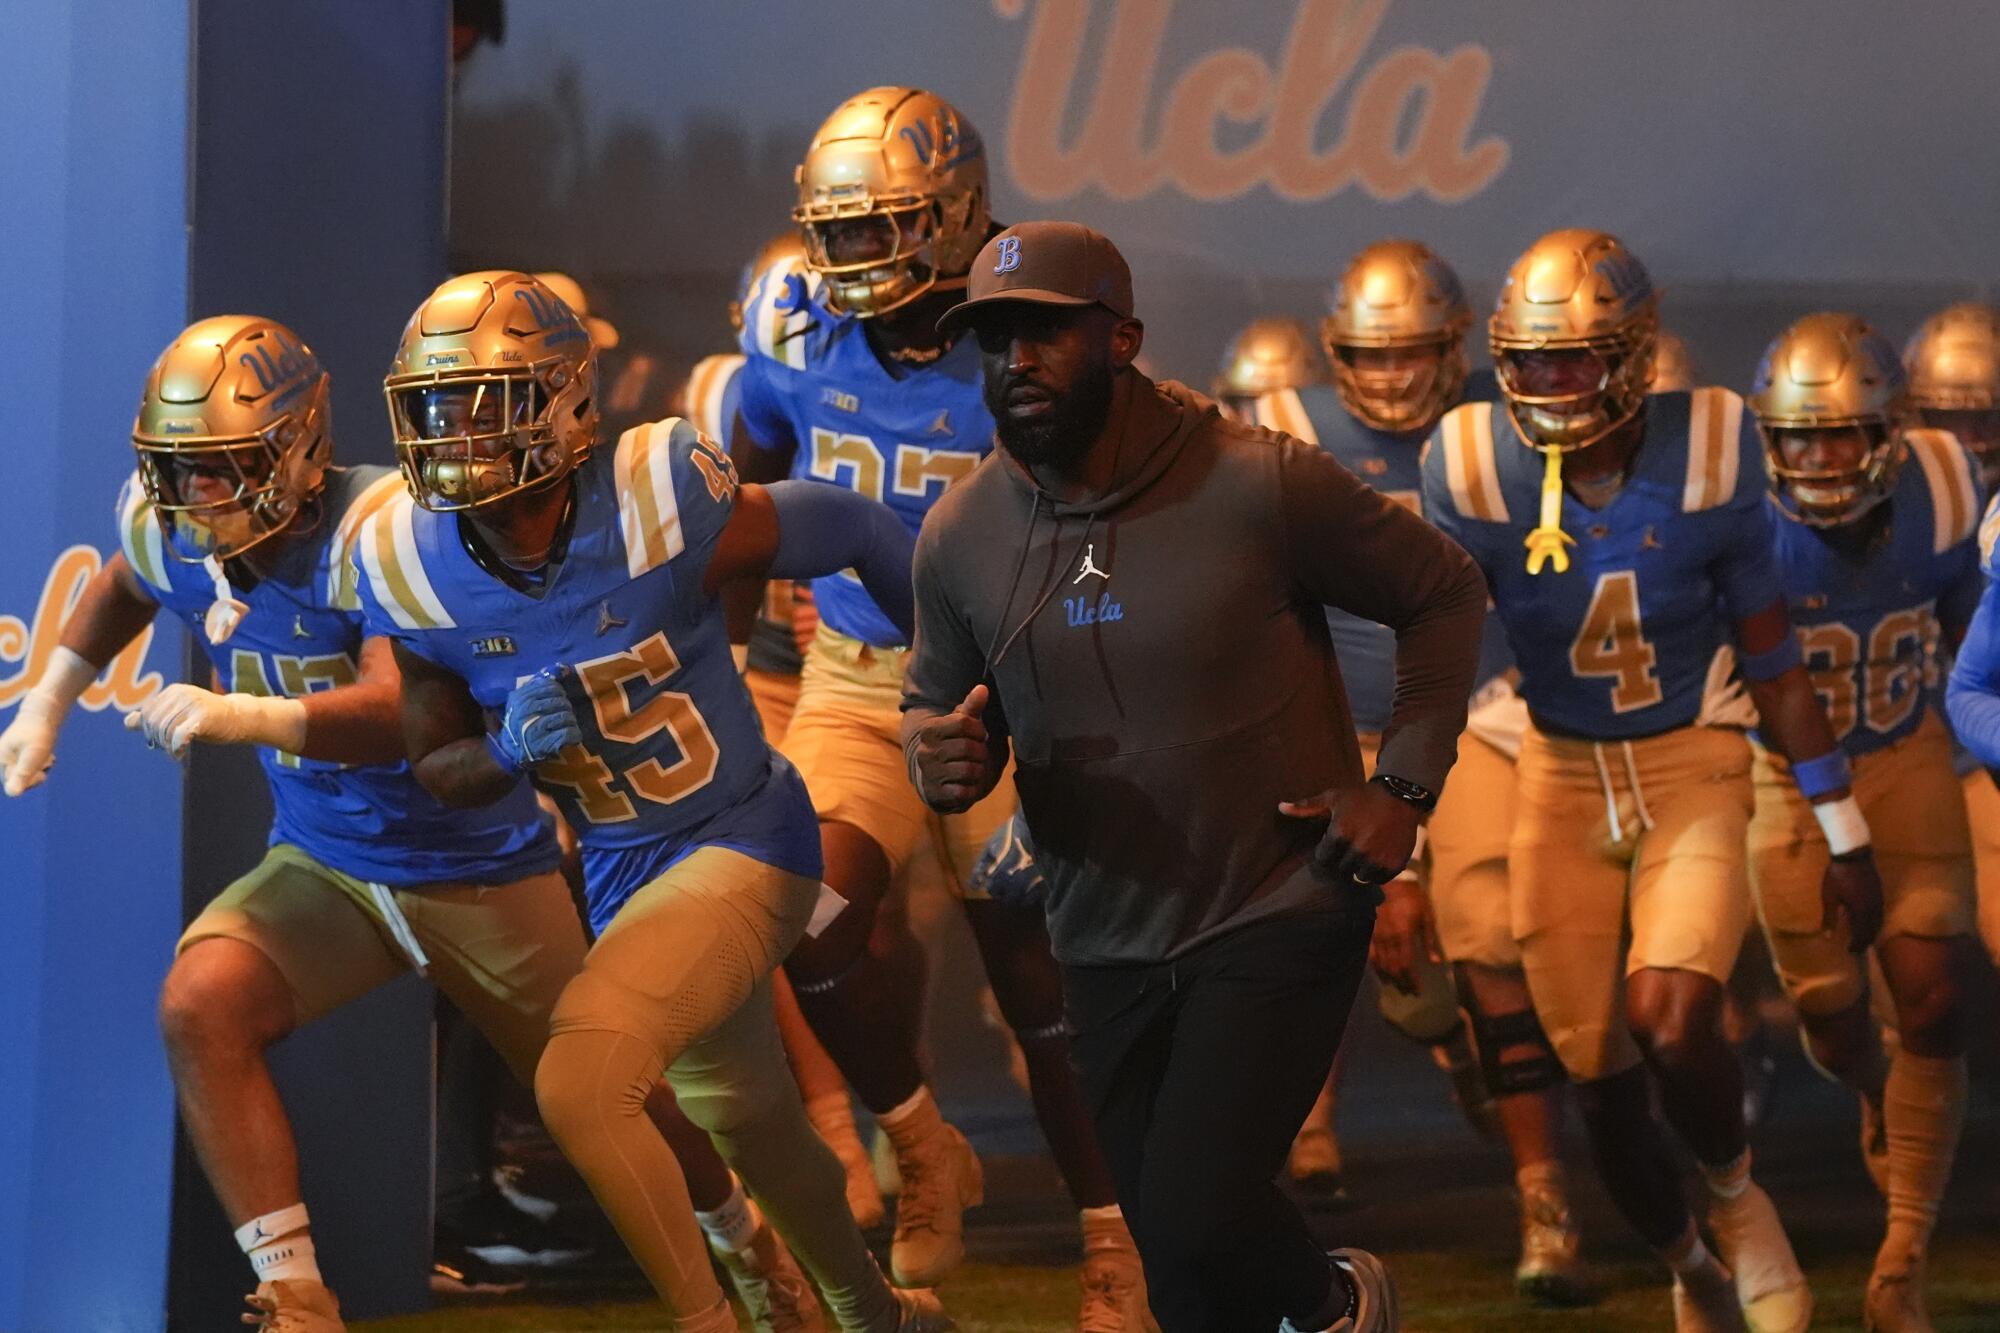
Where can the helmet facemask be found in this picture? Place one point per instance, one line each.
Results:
(1831, 497)
(224, 496)
(877, 261)
(1570, 419)
(1399, 394)
(477, 438)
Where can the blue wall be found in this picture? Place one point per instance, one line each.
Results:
(92, 217)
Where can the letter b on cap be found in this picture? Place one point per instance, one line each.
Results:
(1010, 254)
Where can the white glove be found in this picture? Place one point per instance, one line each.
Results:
(181, 714)
(27, 746)
(226, 612)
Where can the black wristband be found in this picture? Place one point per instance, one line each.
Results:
(1410, 793)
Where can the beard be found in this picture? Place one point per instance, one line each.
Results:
(1066, 429)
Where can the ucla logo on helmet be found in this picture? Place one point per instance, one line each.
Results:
(1627, 279)
(288, 364)
(547, 312)
(1009, 254)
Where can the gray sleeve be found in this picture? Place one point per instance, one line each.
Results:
(1350, 547)
(946, 659)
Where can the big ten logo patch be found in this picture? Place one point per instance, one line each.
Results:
(30, 643)
(1410, 124)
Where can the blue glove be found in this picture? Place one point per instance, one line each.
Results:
(1006, 871)
(537, 723)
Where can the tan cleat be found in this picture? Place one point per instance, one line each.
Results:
(774, 1292)
(1895, 1299)
(1705, 1302)
(294, 1305)
(941, 1178)
(1114, 1285)
(921, 1312)
(1752, 1241)
(1550, 1272)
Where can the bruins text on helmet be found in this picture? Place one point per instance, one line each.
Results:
(1395, 336)
(233, 435)
(1831, 400)
(493, 391)
(1954, 366)
(892, 199)
(1572, 335)
(1267, 355)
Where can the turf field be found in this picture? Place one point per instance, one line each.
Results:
(1432, 1198)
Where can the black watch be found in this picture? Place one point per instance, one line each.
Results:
(1407, 791)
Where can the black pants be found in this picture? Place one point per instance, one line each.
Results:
(1198, 1073)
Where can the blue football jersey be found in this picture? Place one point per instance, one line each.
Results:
(1391, 464)
(303, 632)
(1621, 644)
(1868, 619)
(672, 757)
(811, 381)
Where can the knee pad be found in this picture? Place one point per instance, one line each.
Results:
(1494, 1034)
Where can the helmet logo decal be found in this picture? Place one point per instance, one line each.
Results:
(950, 147)
(548, 312)
(1009, 254)
(271, 371)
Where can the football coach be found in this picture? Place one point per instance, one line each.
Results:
(1127, 594)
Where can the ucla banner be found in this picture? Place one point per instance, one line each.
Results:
(1762, 160)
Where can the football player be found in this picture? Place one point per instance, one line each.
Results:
(1879, 564)
(1954, 365)
(235, 522)
(571, 596)
(1267, 355)
(1625, 545)
(870, 397)
(1395, 338)
(771, 660)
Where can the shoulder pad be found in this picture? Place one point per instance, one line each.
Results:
(386, 549)
(780, 315)
(343, 569)
(1283, 410)
(708, 389)
(1953, 492)
(652, 462)
(1715, 447)
(1464, 439)
(139, 535)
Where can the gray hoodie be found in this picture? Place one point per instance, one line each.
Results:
(1160, 658)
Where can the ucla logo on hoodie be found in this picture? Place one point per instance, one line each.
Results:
(1084, 611)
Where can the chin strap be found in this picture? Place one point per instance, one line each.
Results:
(225, 612)
(1548, 540)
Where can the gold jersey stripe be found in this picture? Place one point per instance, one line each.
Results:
(343, 571)
(1471, 471)
(649, 517)
(1989, 532)
(1949, 473)
(707, 385)
(1281, 410)
(388, 551)
(139, 533)
(1715, 421)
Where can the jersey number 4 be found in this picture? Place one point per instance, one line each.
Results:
(1612, 644)
(606, 680)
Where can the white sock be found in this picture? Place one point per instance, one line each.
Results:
(1728, 1181)
(280, 1246)
(891, 1119)
(730, 1227)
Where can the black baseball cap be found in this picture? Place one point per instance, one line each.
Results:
(1046, 263)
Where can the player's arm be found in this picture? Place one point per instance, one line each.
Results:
(1972, 696)
(954, 732)
(350, 724)
(444, 732)
(114, 609)
(761, 445)
(804, 530)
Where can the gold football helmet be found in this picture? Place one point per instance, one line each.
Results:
(1268, 354)
(493, 391)
(1397, 296)
(785, 250)
(1954, 366)
(233, 434)
(1673, 364)
(892, 199)
(1582, 291)
(1831, 373)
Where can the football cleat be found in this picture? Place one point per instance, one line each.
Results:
(493, 392)
(1374, 1297)
(233, 435)
(892, 199)
(492, 1228)
(1578, 295)
(1705, 1302)
(1894, 1302)
(1954, 366)
(1267, 355)
(1550, 1271)
(457, 1271)
(921, 1312)
(941, 1178)
(1395, 336)
(1826, 378)
(294, 1306)
(1114, 1282)
(1751, 1240)
(769, 1282)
